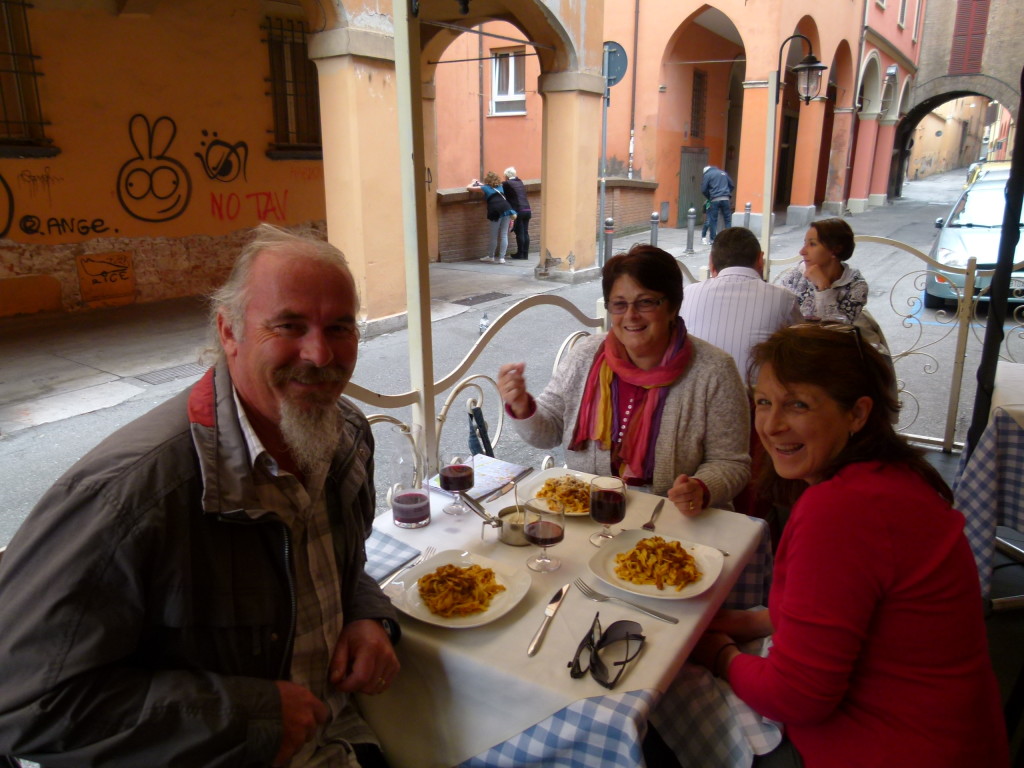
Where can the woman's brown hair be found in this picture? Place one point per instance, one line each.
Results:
(653, 268)
(836, 235)
(839, 361)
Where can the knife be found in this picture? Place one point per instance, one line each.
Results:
(505, 488)
(549, 612)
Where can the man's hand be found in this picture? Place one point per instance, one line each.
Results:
(364, 659)
(301, 713)
(512, 388)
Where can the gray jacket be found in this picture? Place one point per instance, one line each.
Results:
(144, 616)
(705, 424)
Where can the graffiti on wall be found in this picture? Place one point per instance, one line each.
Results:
(153, 186)
(266, 205)
(31, 224)
(106, 279)
(6, 207)
(222, 161)
(39, 182)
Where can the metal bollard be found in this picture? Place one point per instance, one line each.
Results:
(691, 224)
(655, 220)
(609, 236)
(746, 215)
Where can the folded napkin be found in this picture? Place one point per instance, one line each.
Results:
(385, 554)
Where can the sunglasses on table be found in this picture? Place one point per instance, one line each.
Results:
(607, 652)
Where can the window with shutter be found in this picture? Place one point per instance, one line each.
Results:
(968, 43)
(21, 116)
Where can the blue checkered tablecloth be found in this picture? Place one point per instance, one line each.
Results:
(989, 489)
(609, 730)
(385, 553)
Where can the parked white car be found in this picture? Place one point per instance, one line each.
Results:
(972, 228)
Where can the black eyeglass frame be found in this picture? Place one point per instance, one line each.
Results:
(596, 639)
(649, 307)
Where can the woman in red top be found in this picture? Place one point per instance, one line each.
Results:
(879, 655)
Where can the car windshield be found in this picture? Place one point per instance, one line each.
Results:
(980, 207)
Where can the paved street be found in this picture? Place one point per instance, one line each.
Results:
(69, 380)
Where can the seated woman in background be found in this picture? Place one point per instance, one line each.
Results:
(825, 285)
(879, 653)
(645, 402)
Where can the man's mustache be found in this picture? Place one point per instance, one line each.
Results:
(310, 374)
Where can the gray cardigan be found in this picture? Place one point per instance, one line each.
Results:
(705, 425)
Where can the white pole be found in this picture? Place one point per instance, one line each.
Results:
(414, 228)
(601, 255)
(769, 172)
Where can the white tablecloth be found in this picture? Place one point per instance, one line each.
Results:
(474, 693)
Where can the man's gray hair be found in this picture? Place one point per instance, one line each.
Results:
(232, 298)
(510, 172)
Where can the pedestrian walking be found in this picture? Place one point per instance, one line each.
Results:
(717, 187)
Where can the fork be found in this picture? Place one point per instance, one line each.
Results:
(649, 525)
(592, 594)
(426, 554)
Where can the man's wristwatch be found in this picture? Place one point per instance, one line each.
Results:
(392, 628)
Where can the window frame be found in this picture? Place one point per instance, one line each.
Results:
(20, 104)
(902, 20)
(294, 92)
(513, 60)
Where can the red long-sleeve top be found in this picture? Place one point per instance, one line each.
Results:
(879, 653)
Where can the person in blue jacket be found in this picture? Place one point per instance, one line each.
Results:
(717, 187)
(500, 214)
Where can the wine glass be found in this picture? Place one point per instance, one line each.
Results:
(607, 506)
(410, 504)
(455, 477)
(544, 525)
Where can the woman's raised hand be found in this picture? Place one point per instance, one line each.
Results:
(512, 388)
(687, 494)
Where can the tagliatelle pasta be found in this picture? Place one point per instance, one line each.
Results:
(453, 590)
(659, 562)
(571, 491)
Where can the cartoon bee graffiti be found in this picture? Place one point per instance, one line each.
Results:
(153, 186)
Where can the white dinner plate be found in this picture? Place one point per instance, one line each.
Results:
(528, 488)
(602, 565)
(405, 593)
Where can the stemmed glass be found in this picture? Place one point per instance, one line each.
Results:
(607, 506)
(544, 525)
(457, 476)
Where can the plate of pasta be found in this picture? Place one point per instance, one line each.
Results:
(653, 565)
(570, 487)
(459, 590)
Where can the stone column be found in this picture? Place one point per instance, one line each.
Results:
(838, 158)
(862, 163)
(570, 155)
(882, 164)
(753, 136)
(801, 208)
(358, 106)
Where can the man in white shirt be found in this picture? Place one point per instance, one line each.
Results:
(735, 309)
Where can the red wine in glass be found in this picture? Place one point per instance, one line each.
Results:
(607, 507)
(544, 533)
(457, 477)
(411, 509)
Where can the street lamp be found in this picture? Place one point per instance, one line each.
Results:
(808, 83)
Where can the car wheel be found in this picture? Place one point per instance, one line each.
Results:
(933, 302)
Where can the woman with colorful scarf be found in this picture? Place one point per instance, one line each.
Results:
(646, 402)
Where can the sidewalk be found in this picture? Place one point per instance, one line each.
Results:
(61, 365)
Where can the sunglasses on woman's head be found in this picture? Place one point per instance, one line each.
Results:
(829, 325)
(601, 652)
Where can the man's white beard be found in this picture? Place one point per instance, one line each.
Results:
(311, 433)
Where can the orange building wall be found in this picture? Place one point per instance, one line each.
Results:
(179, 94)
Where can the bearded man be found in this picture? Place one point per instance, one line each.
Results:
(192, 592)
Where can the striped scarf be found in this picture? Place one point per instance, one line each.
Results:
(599, 408)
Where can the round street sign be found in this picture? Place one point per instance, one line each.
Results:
(616, 62)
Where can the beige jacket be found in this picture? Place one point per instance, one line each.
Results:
(705, 425)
